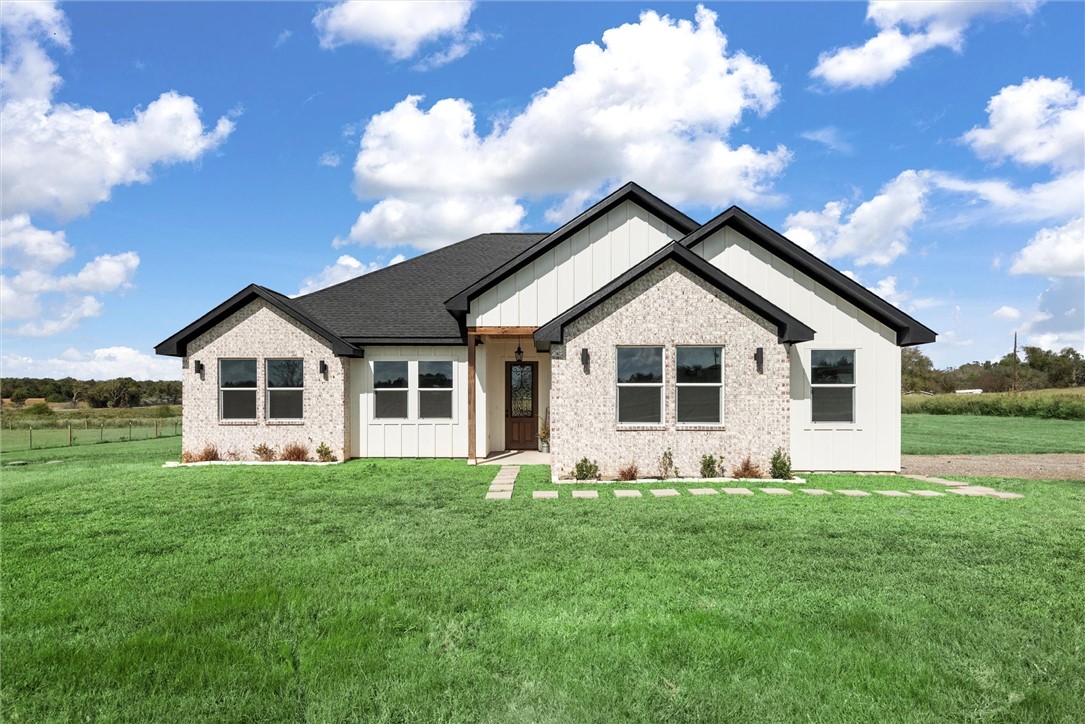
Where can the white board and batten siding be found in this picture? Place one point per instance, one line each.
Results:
(572, 270)
(411, 437)
(872, 442)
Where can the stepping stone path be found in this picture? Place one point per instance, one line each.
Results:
(815, 491)
(776, 491)
(892, 493)
(501, 487)
(664, 492)
(854, 493)
(738, 491)
(927, 493)
(627, 494)
(703, 491)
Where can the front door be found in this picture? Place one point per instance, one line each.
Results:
(521, 405)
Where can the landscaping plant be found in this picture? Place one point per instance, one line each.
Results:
(295, 453)
(629, 472)
(747, 469)
(666, 465)
(710, 468)
(781, 465)
(586, 470)
(324, 454)
(264, 453)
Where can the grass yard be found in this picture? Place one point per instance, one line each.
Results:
(986, 435)
(391, 591)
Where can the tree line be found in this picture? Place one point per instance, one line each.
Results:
(119, 392)
(1037, 369)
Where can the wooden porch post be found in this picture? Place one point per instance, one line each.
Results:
(471, 340)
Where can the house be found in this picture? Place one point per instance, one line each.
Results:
(632, 328)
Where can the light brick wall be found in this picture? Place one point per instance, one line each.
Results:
(262, 332)
(668, 306)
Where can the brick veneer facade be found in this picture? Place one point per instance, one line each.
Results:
(668, 306)
(262, 332)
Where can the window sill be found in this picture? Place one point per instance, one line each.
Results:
(697, 428)
(640, 428)
(239, 422)
(286, 422)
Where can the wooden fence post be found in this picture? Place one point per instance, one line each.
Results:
(156, 428)
(69, 434)
(101, 433)
(31, 438)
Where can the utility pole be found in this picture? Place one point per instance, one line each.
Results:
(1014, 388)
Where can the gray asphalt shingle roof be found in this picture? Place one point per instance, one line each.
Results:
(406, 301)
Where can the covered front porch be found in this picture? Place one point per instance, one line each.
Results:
(508, 392)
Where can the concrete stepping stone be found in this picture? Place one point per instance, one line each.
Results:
(972, 491)
(1005, 496)
(935, 481)
(499, 495)
(854, 493)
(498, 487)
(738, 491)
(703, 491)
(664, 492)
(627, 494)
(814, 491)
(892, 493)
(775, 491)
(927, 493)
(545, 495)
(585, 493)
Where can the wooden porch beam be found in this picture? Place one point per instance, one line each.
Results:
(472, 339)
(502, 331)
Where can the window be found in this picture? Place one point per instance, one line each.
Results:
(390, 390)
(285, 389)
(237, 389)
(832, 385)
(698, 385)
(435, 390)
(640, 385)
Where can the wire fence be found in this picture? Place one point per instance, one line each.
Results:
(85, 432)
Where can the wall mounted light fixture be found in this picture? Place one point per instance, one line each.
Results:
(759, 358)
(324, 368)
(585, 359)
(197, 367)
(519, 352)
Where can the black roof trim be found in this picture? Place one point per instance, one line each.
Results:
(788, 328)
(909, 330)
(461, 303)
(176, 346)
(394, 341)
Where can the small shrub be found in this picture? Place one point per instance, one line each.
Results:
(781, 465)
(295, 453)
(41, 409)
(233, 455)
(666, 465)
(324, 454)
(629, 472)
(209, 453)
(710, 467)
(187, 456)
(746, 470)
(264, 452)
(586, 470)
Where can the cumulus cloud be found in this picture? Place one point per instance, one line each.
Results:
(875, 232)
(99, 364)
(1007, 313)
(1058, 252)
(1039, 122)
(399, 28)
(329, 159)
(63, 159)
(907, 29)
(1047, 200)
(830, 137)
(1059, 320)
(655, 101)
(345, 267)
(282, 37)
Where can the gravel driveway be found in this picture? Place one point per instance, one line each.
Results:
(1029, 467)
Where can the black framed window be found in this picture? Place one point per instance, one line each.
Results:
(698, 382)
(640, 385)
(435, 390)
(237, 389)
(390, 390)
(285, 389)
(832, 385)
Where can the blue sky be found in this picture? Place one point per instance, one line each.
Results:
(158, 157)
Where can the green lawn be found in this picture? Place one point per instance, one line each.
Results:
(391, 591)
(970, 434)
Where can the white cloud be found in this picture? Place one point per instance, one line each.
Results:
(1059, 320)
(399, 28)
(99, 364)
(1056, 199)
(906, 29)
(282, 37)
(458, 48)
(345, 267)
(63, 159)
(876, 232)
(830, 137)
(1058, 252)
(1039, 122)
(329, 159)
(1007, 313)
(655, 102)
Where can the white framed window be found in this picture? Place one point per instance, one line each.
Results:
(285, 382)
(435, 388)
(391, 388)
(640, 385)
(237, 389)
(698, 385)
(832, 385)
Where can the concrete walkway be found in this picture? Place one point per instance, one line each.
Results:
(962, 489)
(501, 487)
